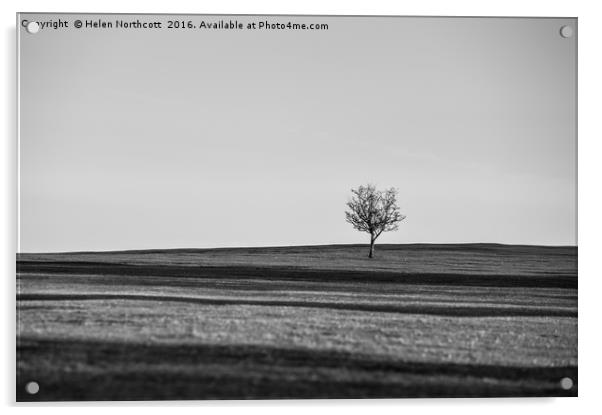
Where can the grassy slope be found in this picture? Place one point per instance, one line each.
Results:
(420, 320)
(414, 258)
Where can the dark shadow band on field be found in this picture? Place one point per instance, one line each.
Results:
(299, 274)
(429, 309)
(71, 369)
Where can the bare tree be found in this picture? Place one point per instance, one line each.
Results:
(373, 211)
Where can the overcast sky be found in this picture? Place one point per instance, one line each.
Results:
(187, 138)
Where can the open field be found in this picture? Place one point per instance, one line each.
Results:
(298, 322)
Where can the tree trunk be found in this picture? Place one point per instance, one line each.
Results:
(371, 254)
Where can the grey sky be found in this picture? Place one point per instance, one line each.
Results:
(190, 138)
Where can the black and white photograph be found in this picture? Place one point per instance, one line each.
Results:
(260, 207)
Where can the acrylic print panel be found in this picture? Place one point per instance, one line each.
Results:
(266, 207)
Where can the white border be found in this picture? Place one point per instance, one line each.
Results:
(590, 231)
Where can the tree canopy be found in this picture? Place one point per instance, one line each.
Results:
(373, 211)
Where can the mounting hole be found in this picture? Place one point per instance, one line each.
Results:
(566, 384)
(32, 388)
(33, 27)
(566, 31)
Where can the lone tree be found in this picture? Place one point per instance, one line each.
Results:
(373, 211)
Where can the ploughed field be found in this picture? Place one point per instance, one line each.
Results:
(298, 322)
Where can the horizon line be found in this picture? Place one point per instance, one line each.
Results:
(299, 246)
